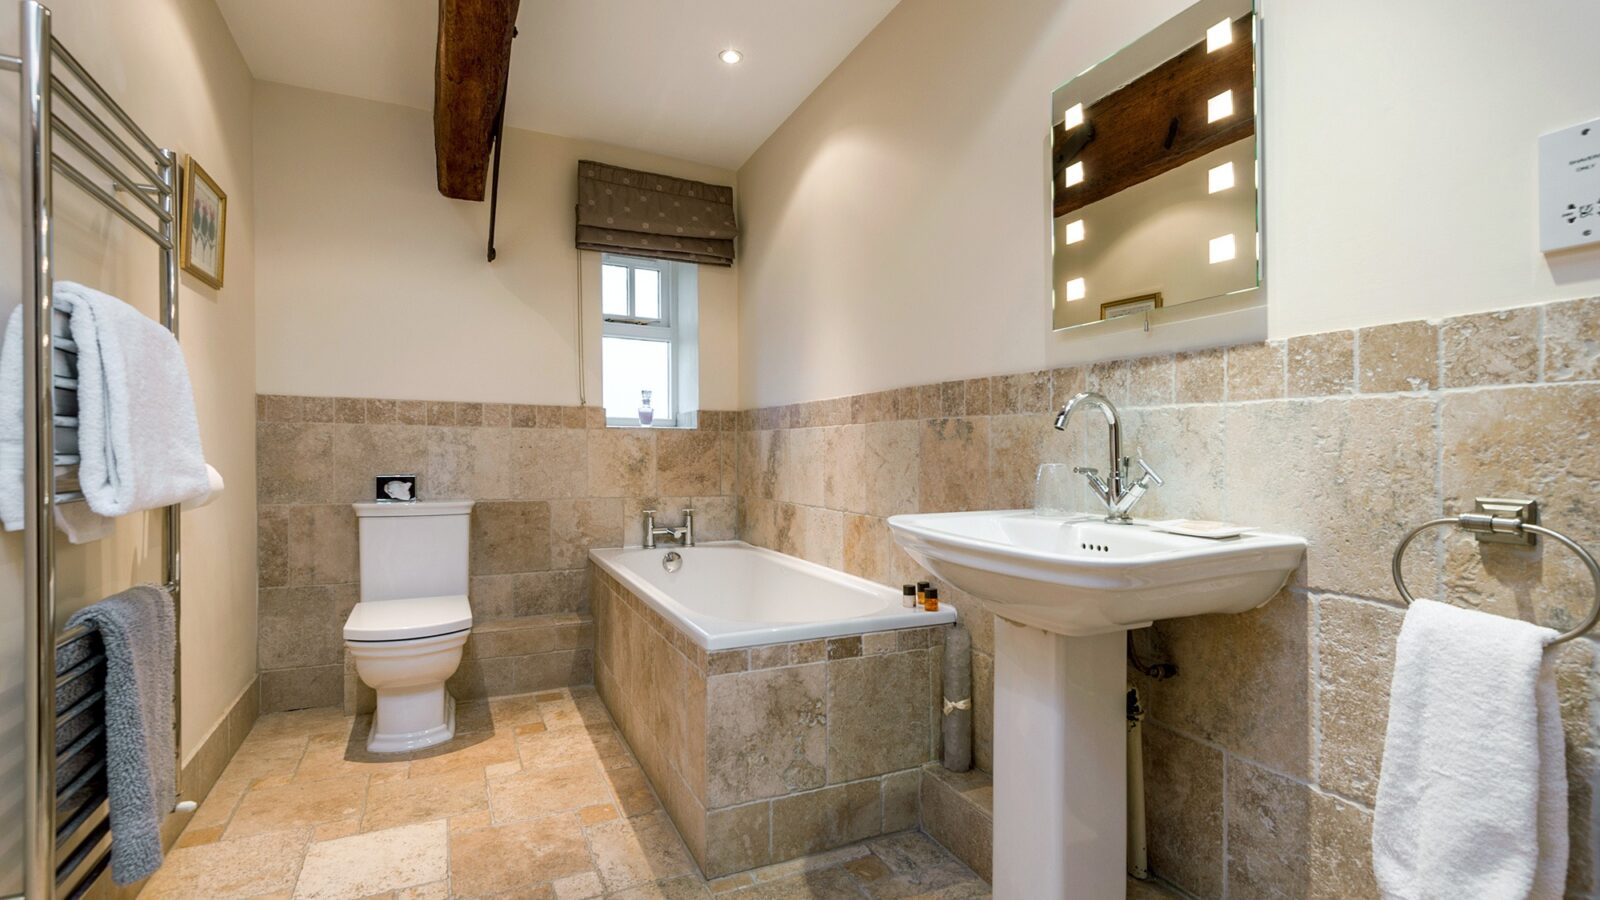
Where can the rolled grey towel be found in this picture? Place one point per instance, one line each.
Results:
(137, 627)
(957, 706)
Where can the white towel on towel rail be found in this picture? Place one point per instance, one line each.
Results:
(1472, 796)
(138, 438)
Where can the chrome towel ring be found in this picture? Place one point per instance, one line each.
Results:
(1487, 524)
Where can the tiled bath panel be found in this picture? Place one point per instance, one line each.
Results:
(537, 797)
(1262, 755)
(550, 481)
(768, 754)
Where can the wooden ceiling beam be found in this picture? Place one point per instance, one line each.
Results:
(1157, 122)
(469, 84)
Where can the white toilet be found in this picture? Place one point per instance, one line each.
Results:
(407, 633)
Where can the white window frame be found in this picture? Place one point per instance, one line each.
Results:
(664, 328)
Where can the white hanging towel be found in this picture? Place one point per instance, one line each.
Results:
(1472, 796)
(138, 438)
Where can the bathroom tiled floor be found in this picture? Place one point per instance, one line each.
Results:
(537, 797)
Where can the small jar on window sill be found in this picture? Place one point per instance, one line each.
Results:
(646, 414)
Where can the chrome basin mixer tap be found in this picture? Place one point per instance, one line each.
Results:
(1117, 491)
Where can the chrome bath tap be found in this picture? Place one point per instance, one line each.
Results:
(683, 535)
(1117, 490)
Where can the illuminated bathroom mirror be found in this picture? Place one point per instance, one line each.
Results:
(1156, 177)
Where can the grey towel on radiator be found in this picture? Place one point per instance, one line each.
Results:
(137, 628)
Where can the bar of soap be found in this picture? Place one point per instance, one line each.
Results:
(1201, 528)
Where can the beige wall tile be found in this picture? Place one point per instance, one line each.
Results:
(1256, 371)
(954, 471)
(977, 397)
(1028, 392)
(1286, 839)
(295, 463)
(738, 838)
(1572, 340)
(364, 452)
(322, 544)
(1244, 682)
(546, 464)
(1183, 810)
(1322, 364)
(544, 593)
(799, 475)
(510, 537)
(1337, 472)
(767, 733)
(1355, 663)
(302, 626)
(278, 408)
(622, 462)
(1016, 446)
(1399, 357)
(1523, 442)
(302, 688)
(872, 727)
(688, 462)
(272, 546)
(1110, 378)
(576, 526)
(1066, 382)
(824, 819)
(1150, 381)
(1200, 376)
(490, 597)
(1490, 348)
(1186, 446)
(902, 804)
(958, 823)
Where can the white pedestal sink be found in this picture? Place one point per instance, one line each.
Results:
(1065, 591)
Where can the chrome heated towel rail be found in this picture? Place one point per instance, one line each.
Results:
(105, 153)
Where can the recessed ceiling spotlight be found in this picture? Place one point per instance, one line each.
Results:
(730, 56)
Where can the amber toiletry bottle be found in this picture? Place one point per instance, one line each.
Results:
(930, 600)
(922, 590)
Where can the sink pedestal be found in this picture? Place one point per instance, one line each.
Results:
(1060, 768)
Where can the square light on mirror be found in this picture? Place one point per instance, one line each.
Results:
(1076, 290)
(1074, 174)
(1074, 231)
(1219, 35)
(1219, 178)
(1220, 106)
(1222, 249)
(1073, 117)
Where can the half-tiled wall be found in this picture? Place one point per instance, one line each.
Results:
(550, 482)
(1262, 755)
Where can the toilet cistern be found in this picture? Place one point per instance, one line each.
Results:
(1115, 490)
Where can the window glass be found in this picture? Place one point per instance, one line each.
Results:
(614, 290)
(633, 365)
(646, 294)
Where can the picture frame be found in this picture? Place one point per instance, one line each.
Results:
(204, 225)
(1130, 306)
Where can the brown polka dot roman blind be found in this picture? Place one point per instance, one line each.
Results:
(641, 214)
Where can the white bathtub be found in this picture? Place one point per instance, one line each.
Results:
(729, 594)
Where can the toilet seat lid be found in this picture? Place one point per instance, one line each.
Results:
(412, 617)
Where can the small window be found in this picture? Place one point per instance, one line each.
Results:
(640, 342)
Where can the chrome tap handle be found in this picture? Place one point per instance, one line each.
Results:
(1149, 472)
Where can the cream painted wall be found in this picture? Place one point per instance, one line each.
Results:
(904, 204)
(174, 66)
(373, 285)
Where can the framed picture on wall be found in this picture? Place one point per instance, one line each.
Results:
(204, 225)
(1132, 306)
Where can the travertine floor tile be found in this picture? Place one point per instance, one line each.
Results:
(539, 792)
(423, 798)
(576, 821)
(630, 852)
(248, 867)
(519, 855)
(371, 863)
(298, 805)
